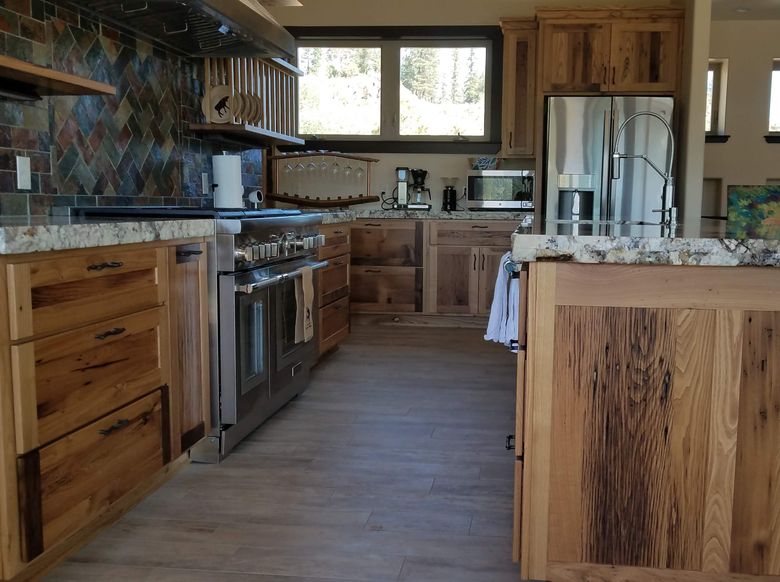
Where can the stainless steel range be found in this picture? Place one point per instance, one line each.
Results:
(256, 364)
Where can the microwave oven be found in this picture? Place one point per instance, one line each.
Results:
(500, 190)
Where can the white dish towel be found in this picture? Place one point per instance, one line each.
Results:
(502, 325)
(304, 299)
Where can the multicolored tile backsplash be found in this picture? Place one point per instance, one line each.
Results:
(131, 149)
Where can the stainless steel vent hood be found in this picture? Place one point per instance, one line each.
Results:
(202, 27)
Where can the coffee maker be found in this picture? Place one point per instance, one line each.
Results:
(449, 200)
(401, 188)
(418, 189)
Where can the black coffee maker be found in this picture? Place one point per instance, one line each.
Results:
(418, 190)
(449, 200)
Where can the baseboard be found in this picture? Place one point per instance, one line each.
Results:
(49, 560)
(419, 320)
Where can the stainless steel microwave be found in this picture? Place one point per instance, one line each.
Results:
(500, 189)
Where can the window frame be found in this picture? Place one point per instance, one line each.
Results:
(391, 39)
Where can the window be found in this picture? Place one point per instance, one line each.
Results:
(425, 88)
(716, 98)
(774, 102)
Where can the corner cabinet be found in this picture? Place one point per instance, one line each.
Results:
(104, 383)
(618, 51)
(519, 98)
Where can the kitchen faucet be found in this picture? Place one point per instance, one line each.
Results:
(667, 196)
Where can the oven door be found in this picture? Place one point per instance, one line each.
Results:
(245, 323)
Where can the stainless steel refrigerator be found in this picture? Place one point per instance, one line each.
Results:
(580, 140)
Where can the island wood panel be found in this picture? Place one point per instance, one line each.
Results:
(68, 380)
(566, 572)
(575, 56)
(84, 473)
(755, 540)
(189, 359)
(53, 295)
(388, 243)
(644, 56)
(386, 289)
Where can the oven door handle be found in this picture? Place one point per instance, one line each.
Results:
(264, 284)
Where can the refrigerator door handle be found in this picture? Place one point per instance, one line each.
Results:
(606, 167)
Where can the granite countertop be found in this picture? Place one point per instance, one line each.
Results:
(377, 214)
(710, 245)
(20, 235)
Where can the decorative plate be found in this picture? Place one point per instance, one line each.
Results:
(221, 105)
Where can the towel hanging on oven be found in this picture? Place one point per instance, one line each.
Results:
(304, 299)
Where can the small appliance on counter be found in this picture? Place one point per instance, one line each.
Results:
(418, 190)
(500, 190)
(401, 189)
(449, 200)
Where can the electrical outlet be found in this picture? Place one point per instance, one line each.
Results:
(23, 175)
(205, 184)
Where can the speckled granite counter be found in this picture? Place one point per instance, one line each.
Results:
(333, 217)
(38, 234)
(646, 245)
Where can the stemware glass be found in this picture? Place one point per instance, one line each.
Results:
(359, 173)
(335, 168)
(348, 171)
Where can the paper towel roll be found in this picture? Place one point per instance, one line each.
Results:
(228, 190)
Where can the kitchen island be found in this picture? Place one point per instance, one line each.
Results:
(648, 407)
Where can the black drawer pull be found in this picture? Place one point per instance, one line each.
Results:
(188, 253)
(110, 332)
(338, 232)
(372, 224)
(373, 270)
(108, 265)
(479, 226)
(118, 425)
(509, 446)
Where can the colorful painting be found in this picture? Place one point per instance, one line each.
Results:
(753, 211)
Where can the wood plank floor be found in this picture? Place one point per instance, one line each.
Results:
(390, 467)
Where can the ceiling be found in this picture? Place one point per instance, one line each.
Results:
(755, 9)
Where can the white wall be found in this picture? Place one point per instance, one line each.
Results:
(750, 46)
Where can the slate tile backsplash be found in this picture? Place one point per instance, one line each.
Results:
(132, 149)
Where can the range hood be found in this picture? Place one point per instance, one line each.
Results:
(230, 28)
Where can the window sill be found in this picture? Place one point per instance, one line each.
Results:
(377, 146)
(772, 138)
(716, 138)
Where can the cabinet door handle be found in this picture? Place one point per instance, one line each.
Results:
(373, 270)
(511, 136)
(483, 262)
(604, 72)
(108, 265)
(338, 232)
(614, 69)
(475, 261)
(118, 425)
(188, 253)
(479, 226)
(110, 332)
(372, 224)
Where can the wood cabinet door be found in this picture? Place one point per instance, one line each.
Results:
(519, 101)
(190, 390)
(644, 56)
(576, 56)
(456, 278)
(386, 289)
(489, 263)
(387, 243)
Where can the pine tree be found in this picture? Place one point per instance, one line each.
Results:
(456, 93)
(420, 72)
(474, 87)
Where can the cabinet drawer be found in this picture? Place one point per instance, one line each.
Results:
(79, 476)
(393, 243)
(333, 280)
(386, 289)
(67, 380)
(334, 324)
(485, 233)
(62, 293)
(337, 240)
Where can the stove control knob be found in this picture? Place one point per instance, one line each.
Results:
(243, 254)
(307, 243)
(320, 240)
(260, 251)
(312, 241)
(274, 250)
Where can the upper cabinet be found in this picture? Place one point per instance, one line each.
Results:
(519, 100)
(621, 51)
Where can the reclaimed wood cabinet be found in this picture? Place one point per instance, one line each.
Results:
(519, 96)
(104, 382)
(387, 266)
(610, 51)
(648, 424)
(334, 286)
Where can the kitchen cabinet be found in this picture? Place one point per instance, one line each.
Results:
(519, 96)
(333, 283)
(104, 383)
(647, 397)
(387, 266)
(616, 51)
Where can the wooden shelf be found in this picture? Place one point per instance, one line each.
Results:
(318, 203)
(245, 134)
(28, 78)
(319, 154)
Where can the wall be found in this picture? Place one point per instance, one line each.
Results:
(129, 149)
(746, 158)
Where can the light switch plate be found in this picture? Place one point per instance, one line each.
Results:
(23, 175)
(205, 184)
